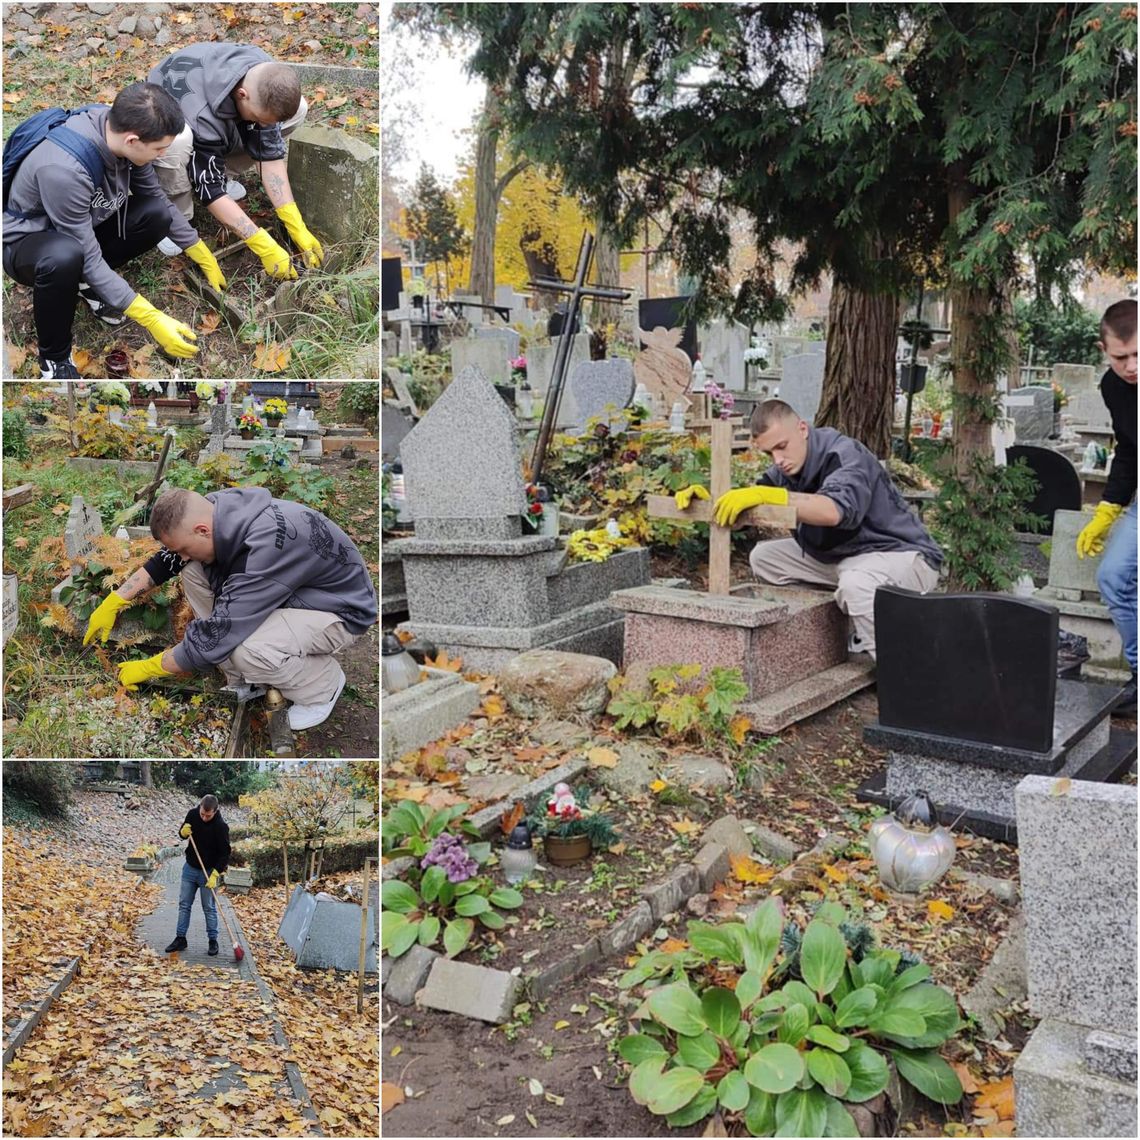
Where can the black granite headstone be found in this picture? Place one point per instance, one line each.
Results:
(391, 283)
(1058, 484)
(667, 312)
(979, 667)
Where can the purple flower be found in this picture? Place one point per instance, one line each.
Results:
(449, 853)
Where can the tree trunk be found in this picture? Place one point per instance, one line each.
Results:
(147, 780)
(859, 377)
(607, 273)
(482, 280)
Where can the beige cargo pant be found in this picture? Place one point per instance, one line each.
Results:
(291, 650)
(781, 562)
(171, 167)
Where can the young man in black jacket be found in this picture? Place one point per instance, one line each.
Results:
(211, 833)
(1116, 512)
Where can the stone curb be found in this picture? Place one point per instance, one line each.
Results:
(488, 819)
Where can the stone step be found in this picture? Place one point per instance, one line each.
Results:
(775, 712)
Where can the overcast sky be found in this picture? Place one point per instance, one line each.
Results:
(445, 101)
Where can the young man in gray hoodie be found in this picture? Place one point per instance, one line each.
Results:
(854, 531)
(65, 236)
(276, 589)
(239, 107)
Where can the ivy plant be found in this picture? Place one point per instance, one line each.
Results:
(784, 1058)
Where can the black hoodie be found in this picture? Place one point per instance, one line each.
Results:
(1120, 399)
(213, 840)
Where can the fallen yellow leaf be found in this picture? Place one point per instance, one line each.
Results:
(561, 1025)
(390, 1096)
(835, 874)
(271, 357)
(1061, 787)
(684, 827)
(997, 1095)
(602, 757)
(745, 869)
(658, 786)
(738, 727)
(938, 909)
(493, 706)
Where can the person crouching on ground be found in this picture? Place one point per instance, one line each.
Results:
(211, 835)
(276, 588)
(854, 531)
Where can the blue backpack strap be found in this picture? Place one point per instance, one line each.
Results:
(82, 149)
(50, 124)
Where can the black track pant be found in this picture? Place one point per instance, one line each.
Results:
(52, 263)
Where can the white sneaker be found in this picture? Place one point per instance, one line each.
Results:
(168, 247)
(309, 716)
(235, 190)
(855, 644)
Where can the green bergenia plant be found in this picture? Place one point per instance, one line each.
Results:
(442, 892)
(677, 705)
(784, 1058)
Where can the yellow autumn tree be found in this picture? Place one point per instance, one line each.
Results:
(304, 803)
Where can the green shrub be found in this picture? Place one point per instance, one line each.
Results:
(40, 787)
(786, 1059)
(16, 436)
(226, 779)
(263, 858)
(677, 706)
(360, 401)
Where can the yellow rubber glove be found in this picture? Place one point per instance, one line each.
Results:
(299, 232)
(685, 496)
(103, 616)
(134, 673)
(1091, 540)
(731, 503)
(184, 831)
(212, 881)
(200, 254)
(172, 335)
(274, 259)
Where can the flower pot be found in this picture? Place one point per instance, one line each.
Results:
(273, 421)
(246, 433)
(563, 852)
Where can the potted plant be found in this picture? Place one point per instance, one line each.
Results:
(250, 426)
(570, 833)
(275, 411)
(115, 395)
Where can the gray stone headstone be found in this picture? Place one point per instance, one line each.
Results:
(723, 344)
(399, 384)
(83, 526)
(801, 384)
(540, 360)
(596, 384)
(1089, 412)
(490, 355)
(1031, 410)
(508, 337)
(1077, 850)
(1075, 378)
(462, 468)
(520, 314)
(1066, 570)
(325, 933)
(394, 426)
(335, 178)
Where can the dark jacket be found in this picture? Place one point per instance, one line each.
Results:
(873, 515)
(213, 840)
(1120, 399)
(203, 77)
(54, 182)
(269, 554)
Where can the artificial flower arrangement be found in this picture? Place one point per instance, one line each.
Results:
(212, 391)
(113, 392)
(518, 370)
(595, 545)
(565, 818)
(250, 422)
(1060, 397)
(275, 408)
(536, 496)
(721, 401)
(153, 387)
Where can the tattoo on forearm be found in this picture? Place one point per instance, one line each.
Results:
(138, 583)
(245, 228)
(277, 187)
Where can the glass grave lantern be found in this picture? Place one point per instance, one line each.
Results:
(398, 670)
(518, 858)
(909, 846)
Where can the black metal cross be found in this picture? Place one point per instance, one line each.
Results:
(577, 289)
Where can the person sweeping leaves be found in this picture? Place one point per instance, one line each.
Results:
(210, 833)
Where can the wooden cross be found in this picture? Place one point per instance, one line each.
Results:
(647, 252)
(720, 537)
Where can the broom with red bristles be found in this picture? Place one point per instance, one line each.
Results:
(239, 953)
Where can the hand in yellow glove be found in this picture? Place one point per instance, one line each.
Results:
(299, 232)
(200, 254)
(172, 335)
(103, 616)
(685, 496)
(274, 259)
(184, 831)
(731, 503)
(134, 673)
(1091, 540)
(212, 881)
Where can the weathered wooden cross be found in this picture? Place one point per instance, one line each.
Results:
(720, 537)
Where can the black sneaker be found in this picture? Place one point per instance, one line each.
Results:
(106, 313)
(178, 944)
(1126, 703)
(58, 369)
(213, 947)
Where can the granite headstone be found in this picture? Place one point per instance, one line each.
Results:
(1058, 484)
(83, 526)
(596, 384)
(491, 356)
(1031, 410)
(723, 344)
(801, 384)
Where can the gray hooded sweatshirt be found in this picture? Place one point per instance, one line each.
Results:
(269, 554)
(57, 190)
(202, 77)
(873, 515)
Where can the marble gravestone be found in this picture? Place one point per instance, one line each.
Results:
(83, 526)
(477, 585)
(594, 386)
(395, 424)
(508, 336)
(970, 702)
(662, 365)
(801, 383)
(490, 355)
(1089, 413)
(1031, 410)
(1075, 378)
(723, 344)
(540, 362)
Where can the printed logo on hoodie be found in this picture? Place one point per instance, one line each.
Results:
(99, 201)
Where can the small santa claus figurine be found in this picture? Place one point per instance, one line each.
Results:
(562, 805)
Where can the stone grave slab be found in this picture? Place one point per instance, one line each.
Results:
(595, 385)
(489, 355)
(324, 933)
(1075, 378)
(801, 383)
(1031, 410)
(1089, 413)
(335, 179)
(425, 711)
(969, 703)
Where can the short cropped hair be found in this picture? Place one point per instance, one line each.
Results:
(169, 511)
(148, 111)
(770, 413)
(209, 803)
(1120, 320)
(277, 91)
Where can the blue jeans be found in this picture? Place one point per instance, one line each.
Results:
(192, 880)
(1116, 577)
